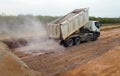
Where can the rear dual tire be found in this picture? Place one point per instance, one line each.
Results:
(69, 42)
(77, 41)
(72, 41)
(88, 38)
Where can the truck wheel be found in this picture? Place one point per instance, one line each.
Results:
(69, 43)
(95, 37)
(88, 38)
(77, 41)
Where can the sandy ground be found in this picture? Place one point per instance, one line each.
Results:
(55, 63)
(106, 65)
(60, 63)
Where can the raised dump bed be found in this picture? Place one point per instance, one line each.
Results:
(68, 24)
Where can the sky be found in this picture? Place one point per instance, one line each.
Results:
(97, 8)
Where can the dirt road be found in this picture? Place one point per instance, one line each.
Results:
(107, 64)
(51, 64)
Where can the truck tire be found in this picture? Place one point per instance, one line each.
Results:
(77, 41)
(88, 39)
(95, 37)
(69, 42)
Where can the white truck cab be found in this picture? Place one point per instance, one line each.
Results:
(93, 26)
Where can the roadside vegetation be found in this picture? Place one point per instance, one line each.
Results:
(106, 20)
(45, 19)
(20, 20)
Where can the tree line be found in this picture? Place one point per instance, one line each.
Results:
(106, 20)
(20, 19)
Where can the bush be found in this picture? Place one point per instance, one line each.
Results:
(106, 20)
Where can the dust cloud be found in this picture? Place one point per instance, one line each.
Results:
(34, 33)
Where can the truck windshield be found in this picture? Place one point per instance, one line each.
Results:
(97, 25)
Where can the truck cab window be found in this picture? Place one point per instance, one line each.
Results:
(97, 25)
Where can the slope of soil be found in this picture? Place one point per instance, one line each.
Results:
(106, 65)
(10, 65)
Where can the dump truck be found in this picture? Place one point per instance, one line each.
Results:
(74, 28)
